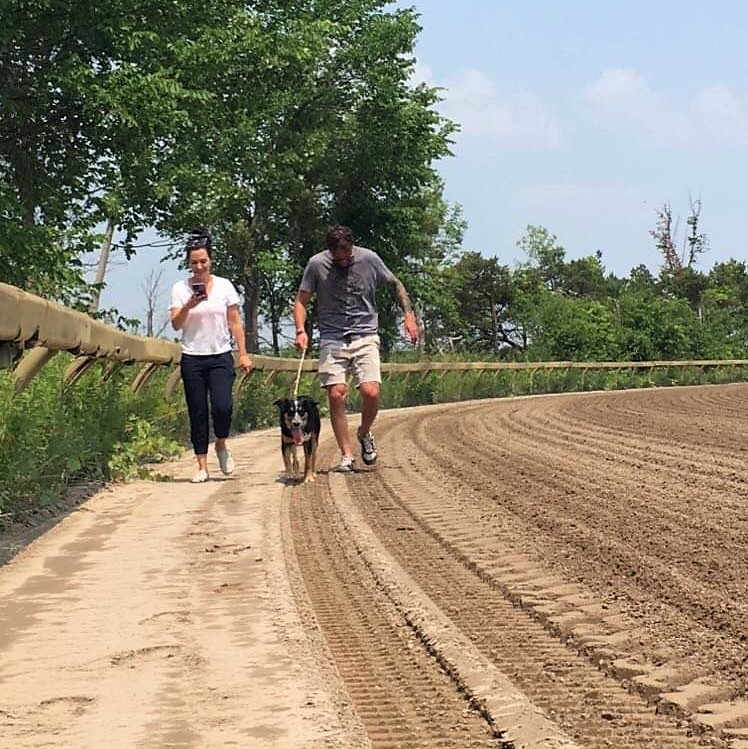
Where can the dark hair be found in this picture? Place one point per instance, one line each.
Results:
(199, 240)
(338, 235)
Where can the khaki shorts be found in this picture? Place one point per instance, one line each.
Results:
(360, 358)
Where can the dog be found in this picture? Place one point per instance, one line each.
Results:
(300, 424)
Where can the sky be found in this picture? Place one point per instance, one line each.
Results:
(584, 117)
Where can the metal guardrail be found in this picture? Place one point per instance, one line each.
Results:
(45, 328)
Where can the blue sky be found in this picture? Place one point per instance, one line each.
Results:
(585, 118)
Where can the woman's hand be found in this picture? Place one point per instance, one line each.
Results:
(245, 362)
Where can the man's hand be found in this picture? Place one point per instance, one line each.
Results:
(411, 328)
(302, 340)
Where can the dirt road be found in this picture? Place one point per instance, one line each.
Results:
(545, 572)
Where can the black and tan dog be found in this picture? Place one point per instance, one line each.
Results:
(300, 424)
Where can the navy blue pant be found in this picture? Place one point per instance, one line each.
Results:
(210, 375)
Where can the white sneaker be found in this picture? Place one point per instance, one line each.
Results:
(200, 477)
(225, 462)
(345, 465)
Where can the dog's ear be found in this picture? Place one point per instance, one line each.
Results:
(280, 402)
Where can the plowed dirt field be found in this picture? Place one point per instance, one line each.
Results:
(560, 571)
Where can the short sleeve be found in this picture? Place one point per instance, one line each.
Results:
(232, 295)
(179, 295)
(384, 274)
(309, 279)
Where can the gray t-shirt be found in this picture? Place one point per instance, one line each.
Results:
(346, 297)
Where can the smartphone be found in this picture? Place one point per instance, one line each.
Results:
(198, 289)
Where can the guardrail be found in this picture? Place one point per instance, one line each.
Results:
(43, 328)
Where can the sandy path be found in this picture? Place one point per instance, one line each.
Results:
(159, 614)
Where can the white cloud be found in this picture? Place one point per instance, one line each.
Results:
(512, 120)
(712, 117)
(617, 86)
(720, 115)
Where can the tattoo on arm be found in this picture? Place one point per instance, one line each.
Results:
(402, 296)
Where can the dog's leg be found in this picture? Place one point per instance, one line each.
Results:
(286, 450)
(314, 442)
(309, 474)
(295, 461)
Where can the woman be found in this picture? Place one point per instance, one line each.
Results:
(206, 309)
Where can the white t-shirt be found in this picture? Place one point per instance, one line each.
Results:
(206, 329)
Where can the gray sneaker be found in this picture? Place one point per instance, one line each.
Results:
(345, 465)
(368, 448)
(225, 462)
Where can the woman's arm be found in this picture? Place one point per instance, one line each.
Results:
(237, 331)
(179, 314)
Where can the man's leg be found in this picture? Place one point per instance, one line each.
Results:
(336, 397)
(368, 375)
(369, 405)
(333, 369)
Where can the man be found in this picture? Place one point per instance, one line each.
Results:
(345, 279)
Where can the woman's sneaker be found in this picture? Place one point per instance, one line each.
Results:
(345, 465)
(225, 462)
(200, 477)
(368, 448)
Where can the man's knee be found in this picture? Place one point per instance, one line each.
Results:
(369, 390)
(336, 394)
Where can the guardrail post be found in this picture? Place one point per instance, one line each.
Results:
(142, 378)
(111, 368)
(241, 380)
(30, 366)
(77, 368)
(174, 378)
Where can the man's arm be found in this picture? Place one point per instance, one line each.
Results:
(299, 318)
(411, 324)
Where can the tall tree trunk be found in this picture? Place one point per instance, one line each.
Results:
(494, 327)
(251, 314)
(106, 249)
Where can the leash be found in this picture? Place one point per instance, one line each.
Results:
(298, 373)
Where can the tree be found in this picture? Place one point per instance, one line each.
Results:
(657, 328)
(92, 96)
(311, 120)
(568, 329)
(545, 255)
(483, 289)
(678, 275)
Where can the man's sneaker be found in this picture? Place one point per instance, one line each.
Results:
(225, 462)
(200, 477)
(368, 448)
(345, 465)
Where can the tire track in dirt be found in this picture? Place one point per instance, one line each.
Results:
(434, 542)
(715, 667)
(401, 694)
(700, 555)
